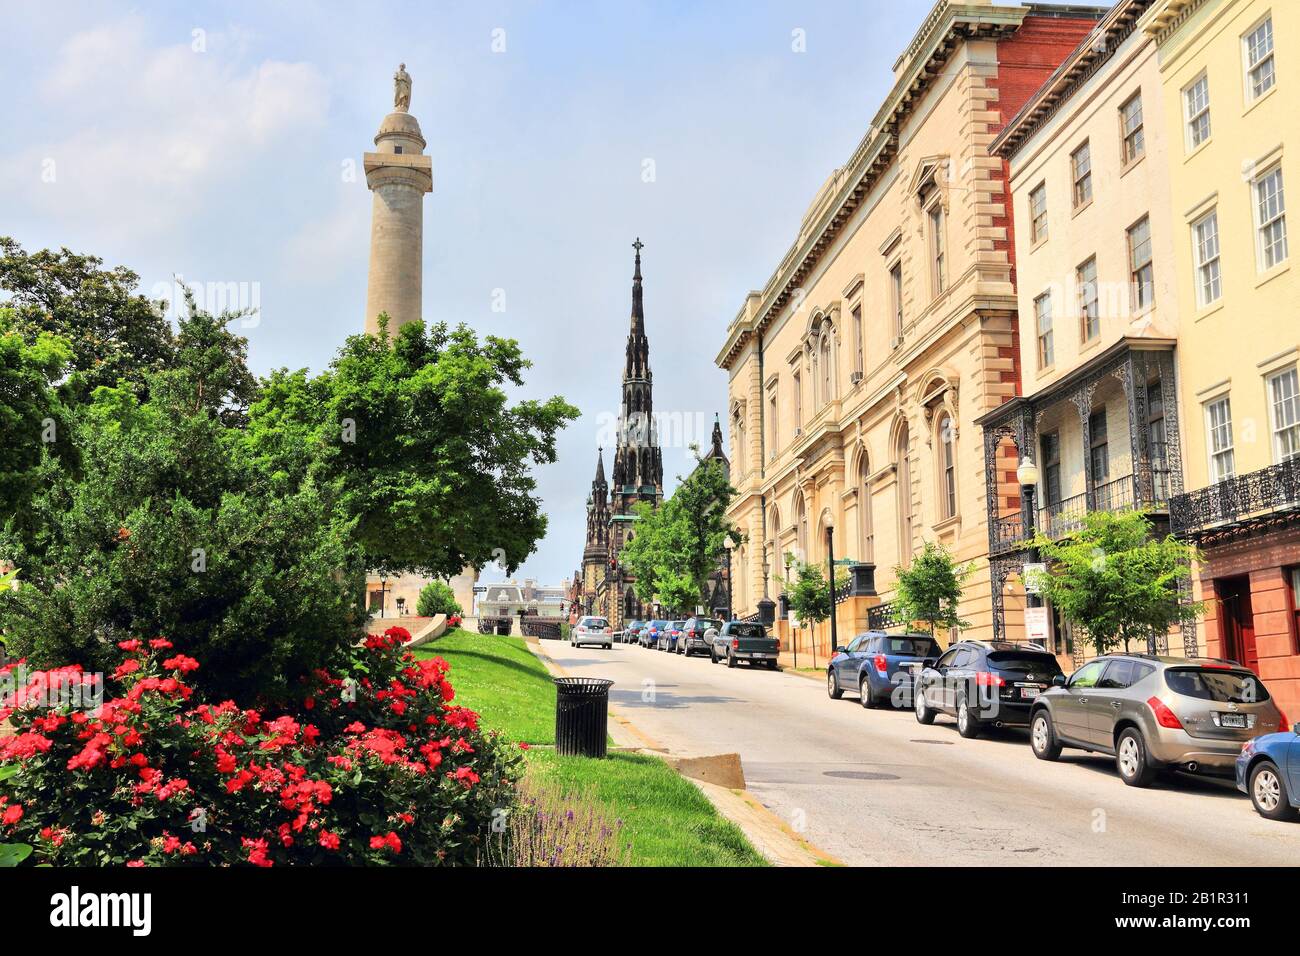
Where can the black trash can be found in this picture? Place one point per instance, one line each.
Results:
(503, 626)
(581, 716)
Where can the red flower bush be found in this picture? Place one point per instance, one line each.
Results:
(376, 766)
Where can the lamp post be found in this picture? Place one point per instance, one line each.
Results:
(727, 545)
(1027, 475)
(383, 596)
(794, 638)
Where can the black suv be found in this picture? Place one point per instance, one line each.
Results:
(985, 683)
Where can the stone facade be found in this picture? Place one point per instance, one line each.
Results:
(856, 374)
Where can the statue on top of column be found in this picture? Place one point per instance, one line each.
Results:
(401, 89)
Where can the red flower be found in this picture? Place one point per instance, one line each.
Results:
(160, 644)
(13, 813)
(181, 663)
(131, 645)
(329, 841)
(256, 851)
(128, 666)
(390, 840)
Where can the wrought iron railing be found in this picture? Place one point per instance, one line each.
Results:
(1064, 517)
(884, 616)
(1270, 491)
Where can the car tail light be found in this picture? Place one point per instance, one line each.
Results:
(1283, 725)
(1164, 716)
(987, 679)
(778, 650)
(607, 630)
(735, 643)
(882, 665)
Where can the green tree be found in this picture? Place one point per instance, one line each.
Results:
(116, 337)
(930, 587)
(31, 412)
(419, 440)
(810, 591)
(1116, 580)
(437, 597)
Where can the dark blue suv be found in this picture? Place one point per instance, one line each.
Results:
(875, 663)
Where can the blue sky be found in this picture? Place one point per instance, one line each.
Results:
(213, 141)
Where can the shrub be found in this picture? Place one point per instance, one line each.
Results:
(374, 765)
(437, 597)
(549, 829)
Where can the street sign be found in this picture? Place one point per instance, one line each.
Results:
(1036, 624)
(1027, 575)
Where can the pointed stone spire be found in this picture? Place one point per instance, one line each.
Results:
(716, 451)
(638, 306)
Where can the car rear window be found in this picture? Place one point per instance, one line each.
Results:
(911, 646)
(1020, 661)
(747, 630)
(595, 622)
(678, 625)
(1222, 686)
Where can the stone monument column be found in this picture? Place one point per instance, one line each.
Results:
(398, 174)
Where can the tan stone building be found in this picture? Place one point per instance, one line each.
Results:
(1229, 81)
(856, 374)
(1100, 316)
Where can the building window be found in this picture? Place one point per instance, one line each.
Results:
(904, 501)
(1270, 218)
(1141, 272)
(1293, 593)
(801, 533)
(1135, 143)
(1284, 398)
(1261, 74)
(1089, 308)
(857, 338)
(865, 524)
(1038, 214)
(1081, 169)
(397, 150)
(1043, 322)
(938, 249)
(1099, 451)
(947, 468)
(773, 431)
(1196, 111)
(1218, 423)
(1205, 250)
(1051, 455)
(741, 461)
(797, 394)
(896, 300)
(828, 364)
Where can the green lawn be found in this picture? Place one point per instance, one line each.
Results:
(668, 821)
(502, 680)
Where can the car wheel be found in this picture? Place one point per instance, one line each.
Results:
(1042, 737)
(1268, 792)
(774, 665)
(713, 656)
(865, 697)
(968, 725)
(731, 659)
(1131, 759)
(924, 715)
(833, 689)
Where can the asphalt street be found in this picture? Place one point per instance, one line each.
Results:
(876, 787)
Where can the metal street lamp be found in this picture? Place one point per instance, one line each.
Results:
(830, 561)
(728, 544)
(1027, 475)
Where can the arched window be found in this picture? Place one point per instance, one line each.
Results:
(814, 387)
(866, 526)
(904, 486)
(801, 532)
(773, 549)
(828, 365)
(947, 467)
(738, 422)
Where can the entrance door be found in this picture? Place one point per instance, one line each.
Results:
(1238, 621)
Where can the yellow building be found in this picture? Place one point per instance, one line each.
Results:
(1089, 157)
(1230, 74)
(857, 372)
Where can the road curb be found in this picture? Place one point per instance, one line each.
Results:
(770, 835)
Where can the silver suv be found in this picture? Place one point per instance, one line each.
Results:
(1154, 713)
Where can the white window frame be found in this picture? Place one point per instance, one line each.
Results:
(1207, 254)
(1138, 134)
(1045, 336)
(1222, 458)
(1084, 177)
(938, 248)
(1269, 59)
(1085, 300)
(1195, 110)
(1038, 225)
(1263, 248)
(1284, 414)
(1139, 304)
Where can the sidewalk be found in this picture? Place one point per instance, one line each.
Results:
(720, 777)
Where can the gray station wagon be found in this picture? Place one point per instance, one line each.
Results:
(1154, 713)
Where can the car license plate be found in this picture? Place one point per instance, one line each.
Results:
(1232, 720)
(1029, 692)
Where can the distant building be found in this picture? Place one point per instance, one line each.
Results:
(508, 598)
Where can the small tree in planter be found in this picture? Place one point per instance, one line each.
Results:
(436, 598)
(1116, 581)
(810, 592)
(930, 587)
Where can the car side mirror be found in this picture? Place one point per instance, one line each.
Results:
(837, 650)
(1058, 680)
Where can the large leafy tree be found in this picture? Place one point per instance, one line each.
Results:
(1116, 580)
(930, 587)
(418, 438)
(116, 336)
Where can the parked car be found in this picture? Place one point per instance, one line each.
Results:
(591, 630)
(650, 636)
(1155, 713)
(631, 632)
(695, 635)
(1268, 771)
(875, 664)
(669, 635)
(745, 641)
(984, 683)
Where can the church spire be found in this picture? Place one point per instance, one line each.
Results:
(638, 346)
(600, 471)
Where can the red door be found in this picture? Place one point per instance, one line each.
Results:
(1238, 621)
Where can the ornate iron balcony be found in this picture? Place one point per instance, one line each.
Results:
(1238, 503)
